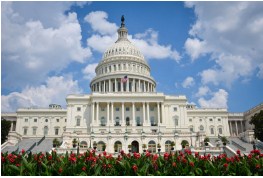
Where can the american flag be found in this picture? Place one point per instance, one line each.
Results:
(124, 79)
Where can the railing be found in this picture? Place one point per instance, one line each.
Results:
(259, 144)
(32, 147)
(239, 146)
(43, 138)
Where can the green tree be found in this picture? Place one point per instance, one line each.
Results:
(257, 121)
(5, 127)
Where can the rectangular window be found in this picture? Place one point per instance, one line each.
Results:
(65, 120)
(117, 109)
(25, 131)
(200, 120)
(57, 120)
(127, 109)
(26, 120)
(190, 120)
(34, 131)
(137, 109)
(102, 109)
(78, 108)
(152, 108)
(175, 108)
(191, 129)
(78, 122)
(219, 120)
(35, 120)
(220, 131)
(210, 120)
(56, 131)
(212, 131)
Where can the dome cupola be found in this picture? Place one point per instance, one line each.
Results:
(122, 68)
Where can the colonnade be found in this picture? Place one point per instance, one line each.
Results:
(117, 85)
(111, 116)
(236, 127)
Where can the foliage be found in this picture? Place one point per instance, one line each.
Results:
(144, 146)
(158, 145)
(184, 143)
(90, 164)
(224, 140)
(257, 121)
(206, 139)
(5, 127)
(94, 143)
(172, 144)
(56, 142)
(129, 146)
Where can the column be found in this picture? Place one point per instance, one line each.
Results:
(133, 114)
(241, 122)
(122, 114)
(139, 86)
(121, 86)
(162, 113)
(104, 86)
(144, 88)
(236, 128)
(112, 117)
(99, 87)
(109, 85)
(230, 124)
(158, 113)
(92, 114)
(11, 128)
(108, 114)
(143, 113)
(115, 84)
(148, 114)
(97, 113)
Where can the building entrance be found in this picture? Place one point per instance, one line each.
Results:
(135, 147)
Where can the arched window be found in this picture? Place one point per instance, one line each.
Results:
(78, 122)
(101, 146)
(212, 131)
(191, 128)
(152, 146)
(117, 146)
(45, 130)
(168, 146)
(175, 118)
(201, 128)
(220, 130)
(83, 144)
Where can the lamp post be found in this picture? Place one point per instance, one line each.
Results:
(78, 147)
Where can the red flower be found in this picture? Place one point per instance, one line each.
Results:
(50, 157)
(135, 168)
(225, 165)
(17, 165)
(238, 152)
(23, 151)
(196, 154)
(257, 166)
(155, 157)
(3, 159)
(104, 153)
(166, 156)
(174, 164)
(228, 159)
(191, 164)
(83, 168)
(72, 159)
(184, 160)
(109, 166)
(60, 170)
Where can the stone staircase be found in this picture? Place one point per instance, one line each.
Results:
(33, 145)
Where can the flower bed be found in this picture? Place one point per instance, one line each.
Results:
(131, 164)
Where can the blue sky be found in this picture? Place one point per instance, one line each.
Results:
(209, 51)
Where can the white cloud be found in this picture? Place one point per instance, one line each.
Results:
(188, 82)
(227, 30)
(218, 100)
(32, 46)
(89, 71)
(202, 91)
(53, 91)
(195, 48)
(147, 41)
(231, 68)
(260, 72)
(99, 23)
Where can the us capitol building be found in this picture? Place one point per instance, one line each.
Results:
(123, 109)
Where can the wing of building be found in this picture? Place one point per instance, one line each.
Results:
(123, 109)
